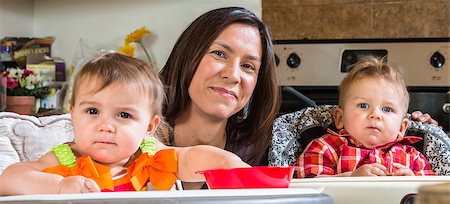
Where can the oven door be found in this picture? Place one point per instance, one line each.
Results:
(435, 102)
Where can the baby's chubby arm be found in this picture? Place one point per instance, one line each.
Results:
(202, 157)
(29, 178)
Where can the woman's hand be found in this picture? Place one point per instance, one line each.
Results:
(374, 169)
(421, 117)
(78, 184)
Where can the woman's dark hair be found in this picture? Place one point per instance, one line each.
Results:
(252, 127)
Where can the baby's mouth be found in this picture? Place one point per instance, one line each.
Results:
(374, 128)
(104, 142)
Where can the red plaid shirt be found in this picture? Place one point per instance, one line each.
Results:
(336, 153)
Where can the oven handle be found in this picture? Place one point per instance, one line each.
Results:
(299, 95)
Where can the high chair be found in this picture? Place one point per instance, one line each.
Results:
(293, 131)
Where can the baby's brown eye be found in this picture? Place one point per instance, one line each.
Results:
(92, 111)
(124, 115)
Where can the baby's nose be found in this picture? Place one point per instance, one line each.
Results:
(106, 126)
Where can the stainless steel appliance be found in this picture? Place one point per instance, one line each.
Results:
(310, 70)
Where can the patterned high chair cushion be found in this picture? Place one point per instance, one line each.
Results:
(293, 131)
(26, 138)
(436, 146)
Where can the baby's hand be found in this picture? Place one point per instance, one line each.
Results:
(374, 169)
(78, 184)
(402, 170)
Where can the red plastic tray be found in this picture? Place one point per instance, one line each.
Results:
(252, 177)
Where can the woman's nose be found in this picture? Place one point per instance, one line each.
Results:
(231, 71)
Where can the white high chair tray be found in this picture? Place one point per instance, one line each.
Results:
(368, 190)
(286, 195)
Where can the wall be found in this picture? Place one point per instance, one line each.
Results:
(105, 23)
(16, 18)
(348, 19)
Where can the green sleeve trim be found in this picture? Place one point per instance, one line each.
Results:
(149, 146)
(65, 155)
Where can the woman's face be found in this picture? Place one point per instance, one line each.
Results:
(227, 74)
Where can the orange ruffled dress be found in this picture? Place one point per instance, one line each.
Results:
(160, 169)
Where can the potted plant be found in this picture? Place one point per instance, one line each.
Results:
(22, 86)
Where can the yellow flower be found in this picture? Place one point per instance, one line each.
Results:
(127, 49)
(137, 35)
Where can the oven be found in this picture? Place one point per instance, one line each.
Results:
(310, 71)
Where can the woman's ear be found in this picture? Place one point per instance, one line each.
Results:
(154, 122)
(338, 115)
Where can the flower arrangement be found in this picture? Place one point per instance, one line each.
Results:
(135, 37)
(23, 82)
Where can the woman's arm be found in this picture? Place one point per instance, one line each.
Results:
(204, 157)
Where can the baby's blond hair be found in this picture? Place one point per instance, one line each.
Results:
(375, 67)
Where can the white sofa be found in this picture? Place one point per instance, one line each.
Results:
(26, 138)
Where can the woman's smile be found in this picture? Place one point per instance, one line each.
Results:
(225, 92)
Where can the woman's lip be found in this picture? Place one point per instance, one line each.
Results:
(225, 91)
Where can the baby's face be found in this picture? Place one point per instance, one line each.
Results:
(110, 124)
(373, 112)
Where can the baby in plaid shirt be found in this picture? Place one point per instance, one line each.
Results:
(373, 102)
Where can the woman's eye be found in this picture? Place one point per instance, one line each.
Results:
(363, 105)
(387, 109)
(248, 66)
(124, 115)
(218, 53)
(92, 111)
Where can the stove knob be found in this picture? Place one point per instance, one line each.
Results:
(293, 61)
(277, 60)
(446, 108)
(437, 60)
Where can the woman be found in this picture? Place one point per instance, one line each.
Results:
(222, 88)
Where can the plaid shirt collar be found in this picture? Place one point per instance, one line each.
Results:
(406, 140)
